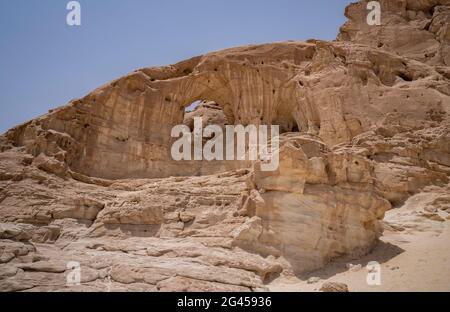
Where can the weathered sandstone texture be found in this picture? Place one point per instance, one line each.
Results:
(365, 127)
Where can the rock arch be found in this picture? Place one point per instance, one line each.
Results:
(122, 129)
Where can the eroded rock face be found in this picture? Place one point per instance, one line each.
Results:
(365, 128)
(324, 201)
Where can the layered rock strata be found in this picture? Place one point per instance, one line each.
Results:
(364, 125)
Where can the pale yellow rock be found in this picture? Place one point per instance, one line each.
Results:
(334, 287)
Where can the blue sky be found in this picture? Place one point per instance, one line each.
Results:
(44, 63)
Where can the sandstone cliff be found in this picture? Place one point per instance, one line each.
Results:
(365, 125)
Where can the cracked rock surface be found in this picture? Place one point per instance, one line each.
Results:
(364, 162)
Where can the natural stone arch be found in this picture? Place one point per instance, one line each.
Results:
(296, 85)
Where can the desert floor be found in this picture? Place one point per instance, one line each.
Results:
(416, 258)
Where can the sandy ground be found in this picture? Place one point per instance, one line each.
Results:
(414, 261)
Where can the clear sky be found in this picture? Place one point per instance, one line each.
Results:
(44, 63)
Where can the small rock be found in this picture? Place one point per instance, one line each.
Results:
(313, 280)
(27, 160)
(398, 228)
(6, 257)
(8, 231)
(334, 287)
(172, 217)
(431, 209)
(51, 165)
(44, 266)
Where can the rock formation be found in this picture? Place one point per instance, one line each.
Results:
(365, 125)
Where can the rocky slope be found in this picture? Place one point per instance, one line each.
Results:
(365, 130)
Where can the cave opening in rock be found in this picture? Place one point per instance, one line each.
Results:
(287, 123)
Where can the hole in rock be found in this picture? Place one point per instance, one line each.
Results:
(193, 106)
